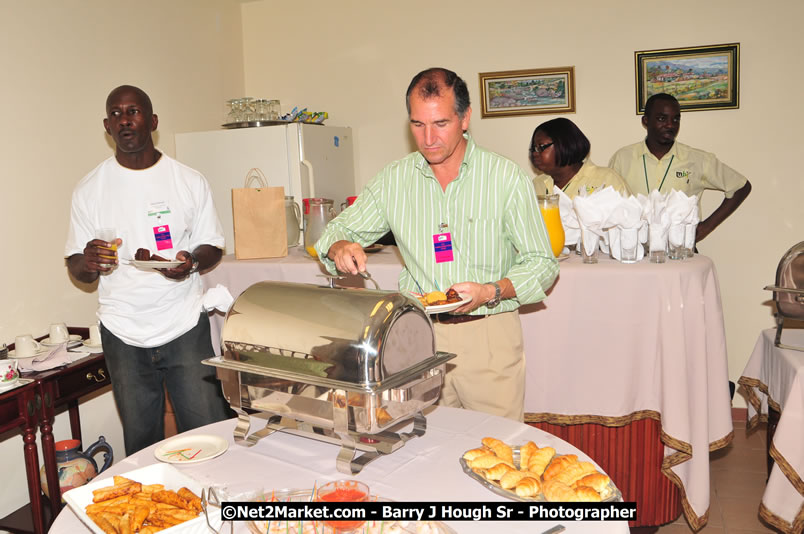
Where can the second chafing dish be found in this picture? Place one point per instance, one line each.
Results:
(347, 366)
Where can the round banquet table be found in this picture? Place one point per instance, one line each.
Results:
(424, 469)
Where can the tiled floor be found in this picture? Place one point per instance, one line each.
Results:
(738, 480)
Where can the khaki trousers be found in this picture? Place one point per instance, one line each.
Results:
(488, 374)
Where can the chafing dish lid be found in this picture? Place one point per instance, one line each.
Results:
(349, 335)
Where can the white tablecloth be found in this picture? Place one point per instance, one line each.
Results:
(613, 342)
(424, 469)
(775, 376)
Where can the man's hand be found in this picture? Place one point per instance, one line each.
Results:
(348, 257)
(480, 293)
(98, 257)
(183, 270)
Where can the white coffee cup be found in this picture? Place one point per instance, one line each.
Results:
(58, 333)
(94, 334)
(26, 346)
(8, 372)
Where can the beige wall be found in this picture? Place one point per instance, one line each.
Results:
(59, 60)
(354, 59)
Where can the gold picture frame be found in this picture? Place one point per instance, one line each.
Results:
(527, 92)
(700, 77)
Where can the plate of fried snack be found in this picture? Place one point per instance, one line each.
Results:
(157, 498)
(533, 473)
(438, 302)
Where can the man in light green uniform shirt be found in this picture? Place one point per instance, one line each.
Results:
(463, 218)
(660, 162)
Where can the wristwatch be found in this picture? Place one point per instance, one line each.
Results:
(495, 300)
(194, 268)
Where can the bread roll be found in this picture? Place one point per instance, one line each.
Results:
(539, 459)
(597, 481)
(575, 471)
(586, 494)
(512, 478)
(525, 452)
(487, 461)
(557, 491)
(500, 448)
(475, 453)
(558, 463)
(528, 487)
(498, 471)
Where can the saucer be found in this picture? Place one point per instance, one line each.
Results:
(47, 343)
(10, 385)
(13, 353)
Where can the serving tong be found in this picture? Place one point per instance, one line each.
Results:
(209, 498)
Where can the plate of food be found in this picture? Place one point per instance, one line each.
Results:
(438, 302)
(156, 264)
(376, 247)
(532, 473)
(159, 495)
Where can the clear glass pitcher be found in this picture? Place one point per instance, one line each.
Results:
(293, 221)
(548, 205)
(316, 216)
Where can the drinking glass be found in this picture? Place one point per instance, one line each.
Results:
(548, 205)
(274, 111)
(110, 236)
(629, 245)
(657, 243)
(589, 246)
(676, 238)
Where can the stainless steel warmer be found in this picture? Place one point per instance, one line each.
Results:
(346, 366)
(788, 293)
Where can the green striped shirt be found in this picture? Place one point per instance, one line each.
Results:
(490, 209)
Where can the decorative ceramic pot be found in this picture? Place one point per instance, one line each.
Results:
(76, 467)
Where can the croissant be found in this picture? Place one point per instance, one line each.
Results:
(586, 494)
(525, 452)
(487, 461)
(512, 478)
(597, 481)
(500, 448)
(558, 491)
(528, 487)
(498, 471)
(475, 453)
(539, 459)
(559, 463)
(572, 472)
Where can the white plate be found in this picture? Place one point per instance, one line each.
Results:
(73, 337)
(155, 264)
(373, 248)
(173, 479)
(563, 256)
(90, 345)
(44, 350)
(193, 449)
(449, 307)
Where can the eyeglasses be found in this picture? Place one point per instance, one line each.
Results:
(538, 149)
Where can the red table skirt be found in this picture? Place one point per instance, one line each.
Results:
(632, 456)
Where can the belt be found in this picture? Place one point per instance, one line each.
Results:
(446, 318)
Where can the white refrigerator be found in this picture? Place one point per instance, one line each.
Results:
(308, 160)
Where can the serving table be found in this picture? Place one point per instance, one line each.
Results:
(774, 380)
(424, 469)
(35, 403)
(627, 362)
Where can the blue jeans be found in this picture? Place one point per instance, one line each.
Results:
(139, 377)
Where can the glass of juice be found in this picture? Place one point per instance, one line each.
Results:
(344, 491)
(110, 236)
(548, 205)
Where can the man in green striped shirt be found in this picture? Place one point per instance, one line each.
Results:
(463, 218)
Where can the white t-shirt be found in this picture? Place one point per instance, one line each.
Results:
(165, 208)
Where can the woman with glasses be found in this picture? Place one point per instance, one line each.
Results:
(559, 150)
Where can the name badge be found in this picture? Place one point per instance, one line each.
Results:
(162, 237)
(442, 244)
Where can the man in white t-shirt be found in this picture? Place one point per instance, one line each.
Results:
(153, 327)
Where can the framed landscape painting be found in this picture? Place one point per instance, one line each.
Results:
(527, 92)
(700, 77)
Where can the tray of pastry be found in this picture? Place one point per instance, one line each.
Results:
(532, 473)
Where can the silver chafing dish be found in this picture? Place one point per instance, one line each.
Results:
(346, 366)
(788, 293)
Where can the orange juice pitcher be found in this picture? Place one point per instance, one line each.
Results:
(548, 205)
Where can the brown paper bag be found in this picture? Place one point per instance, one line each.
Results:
(259, 220)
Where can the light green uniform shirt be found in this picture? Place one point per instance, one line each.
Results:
(589, 178)
(490, 211)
